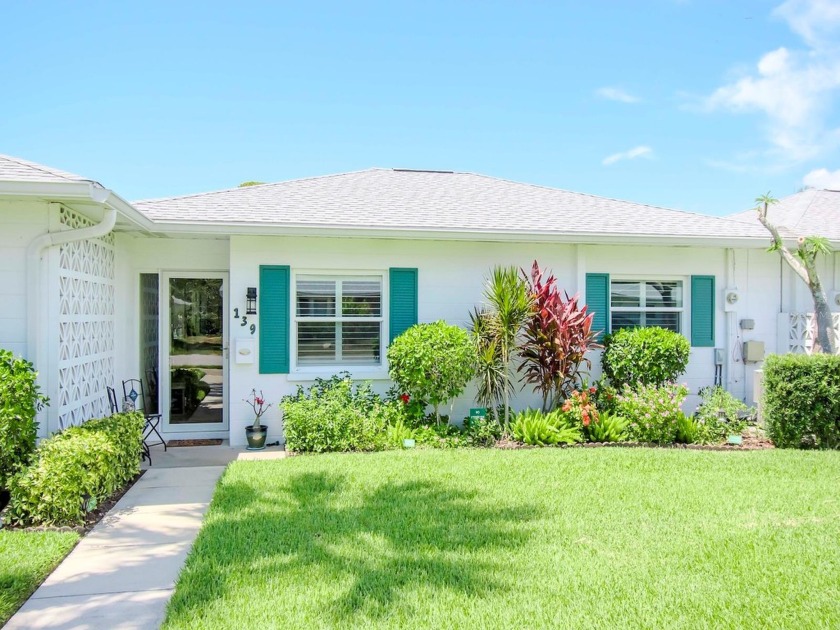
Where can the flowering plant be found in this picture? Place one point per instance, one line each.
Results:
(258, 404)
(580, 407)
(654, 412)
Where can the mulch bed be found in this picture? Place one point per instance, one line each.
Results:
(91, 519)
(177, 443)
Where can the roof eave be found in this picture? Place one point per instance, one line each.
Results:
(333, 231)
(79, 191)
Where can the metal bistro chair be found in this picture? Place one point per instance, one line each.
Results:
(134, 391)
(112, 403)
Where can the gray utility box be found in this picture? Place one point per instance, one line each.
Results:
(753, 351)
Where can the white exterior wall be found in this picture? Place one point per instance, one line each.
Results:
(451, 278)
(22, 221)
(139, 254)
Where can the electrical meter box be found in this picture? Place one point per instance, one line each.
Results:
(753, 351)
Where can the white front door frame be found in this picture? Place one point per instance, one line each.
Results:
(191, 431)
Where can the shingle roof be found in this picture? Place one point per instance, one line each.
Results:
(18, 170)
(402, 199)
(811, 212)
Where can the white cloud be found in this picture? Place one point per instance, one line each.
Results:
(641, 151)
(813, 20)
(793, 90)
(823, 178)
(616, 94)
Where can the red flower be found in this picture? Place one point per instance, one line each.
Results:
(585, 417)
(592, 390)
(405, 398)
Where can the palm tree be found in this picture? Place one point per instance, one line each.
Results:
(509, 303)
(490, 370)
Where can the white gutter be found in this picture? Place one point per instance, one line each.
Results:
(37, 314)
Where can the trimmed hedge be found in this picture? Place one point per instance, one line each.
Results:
(644, 356)
(20, 400)
(73, 471)
(802, 400)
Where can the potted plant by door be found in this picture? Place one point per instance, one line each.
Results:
(256, 432)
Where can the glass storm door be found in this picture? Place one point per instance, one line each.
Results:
(194, 378)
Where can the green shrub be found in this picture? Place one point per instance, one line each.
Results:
(654, 412)
(481, 431)
(802, 400)
(432, 362)
(73, 471)
(536, 428)
(711, 427)
(644, 356)
(607, 427)
(439, 435)
(397, 432)
(336, 416)
(687, 430)
(605, 397)
(20, 400)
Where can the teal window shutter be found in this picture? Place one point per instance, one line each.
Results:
(598, 301)
(703, 311)
(402, 285)
(274, 314)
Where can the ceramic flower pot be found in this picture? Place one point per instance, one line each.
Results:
(256, 437)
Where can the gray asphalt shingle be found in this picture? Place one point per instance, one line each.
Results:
(402, 199)
(17, 170)
(812, 212)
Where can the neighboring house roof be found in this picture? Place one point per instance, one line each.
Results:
(17, 170)
(812, 212)
(409, 200)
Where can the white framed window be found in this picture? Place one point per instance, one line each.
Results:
(641, 303)
(338, 320)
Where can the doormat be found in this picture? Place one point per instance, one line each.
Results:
(176, 443)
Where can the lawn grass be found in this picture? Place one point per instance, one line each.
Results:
(26, 558)
(519, 539)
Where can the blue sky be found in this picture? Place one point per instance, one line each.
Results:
(696, 105)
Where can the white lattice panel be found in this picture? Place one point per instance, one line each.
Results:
(798, 331)
(86, 324)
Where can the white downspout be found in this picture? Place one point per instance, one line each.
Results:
(35, 291)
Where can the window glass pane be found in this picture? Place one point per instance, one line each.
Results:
(316, 343)
(671, 321)
(360, 343)
(315, 298)
(361, 298)
(625, 320)
(663, 294)
(625, 293)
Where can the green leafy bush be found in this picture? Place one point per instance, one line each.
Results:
(73, 471)
(687, 430)
(711, 427)
(439, 435)
(481, 431)
(644, 356)
(653, 411)
(432, 362)
(333, 415)
(607, 427)
(802, 400)
(20, 400)
(536, 428)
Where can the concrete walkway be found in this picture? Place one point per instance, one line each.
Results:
(123, 573)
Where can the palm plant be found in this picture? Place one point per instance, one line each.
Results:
(509, 302)
(490, 372)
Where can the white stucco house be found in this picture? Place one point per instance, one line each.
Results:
(207, 296)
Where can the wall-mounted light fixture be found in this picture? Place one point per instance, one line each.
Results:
(251, 301)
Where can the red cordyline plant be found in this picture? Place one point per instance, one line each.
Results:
(258, 404)
(557, 336)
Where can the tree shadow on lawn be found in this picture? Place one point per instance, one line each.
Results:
(393, 538)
